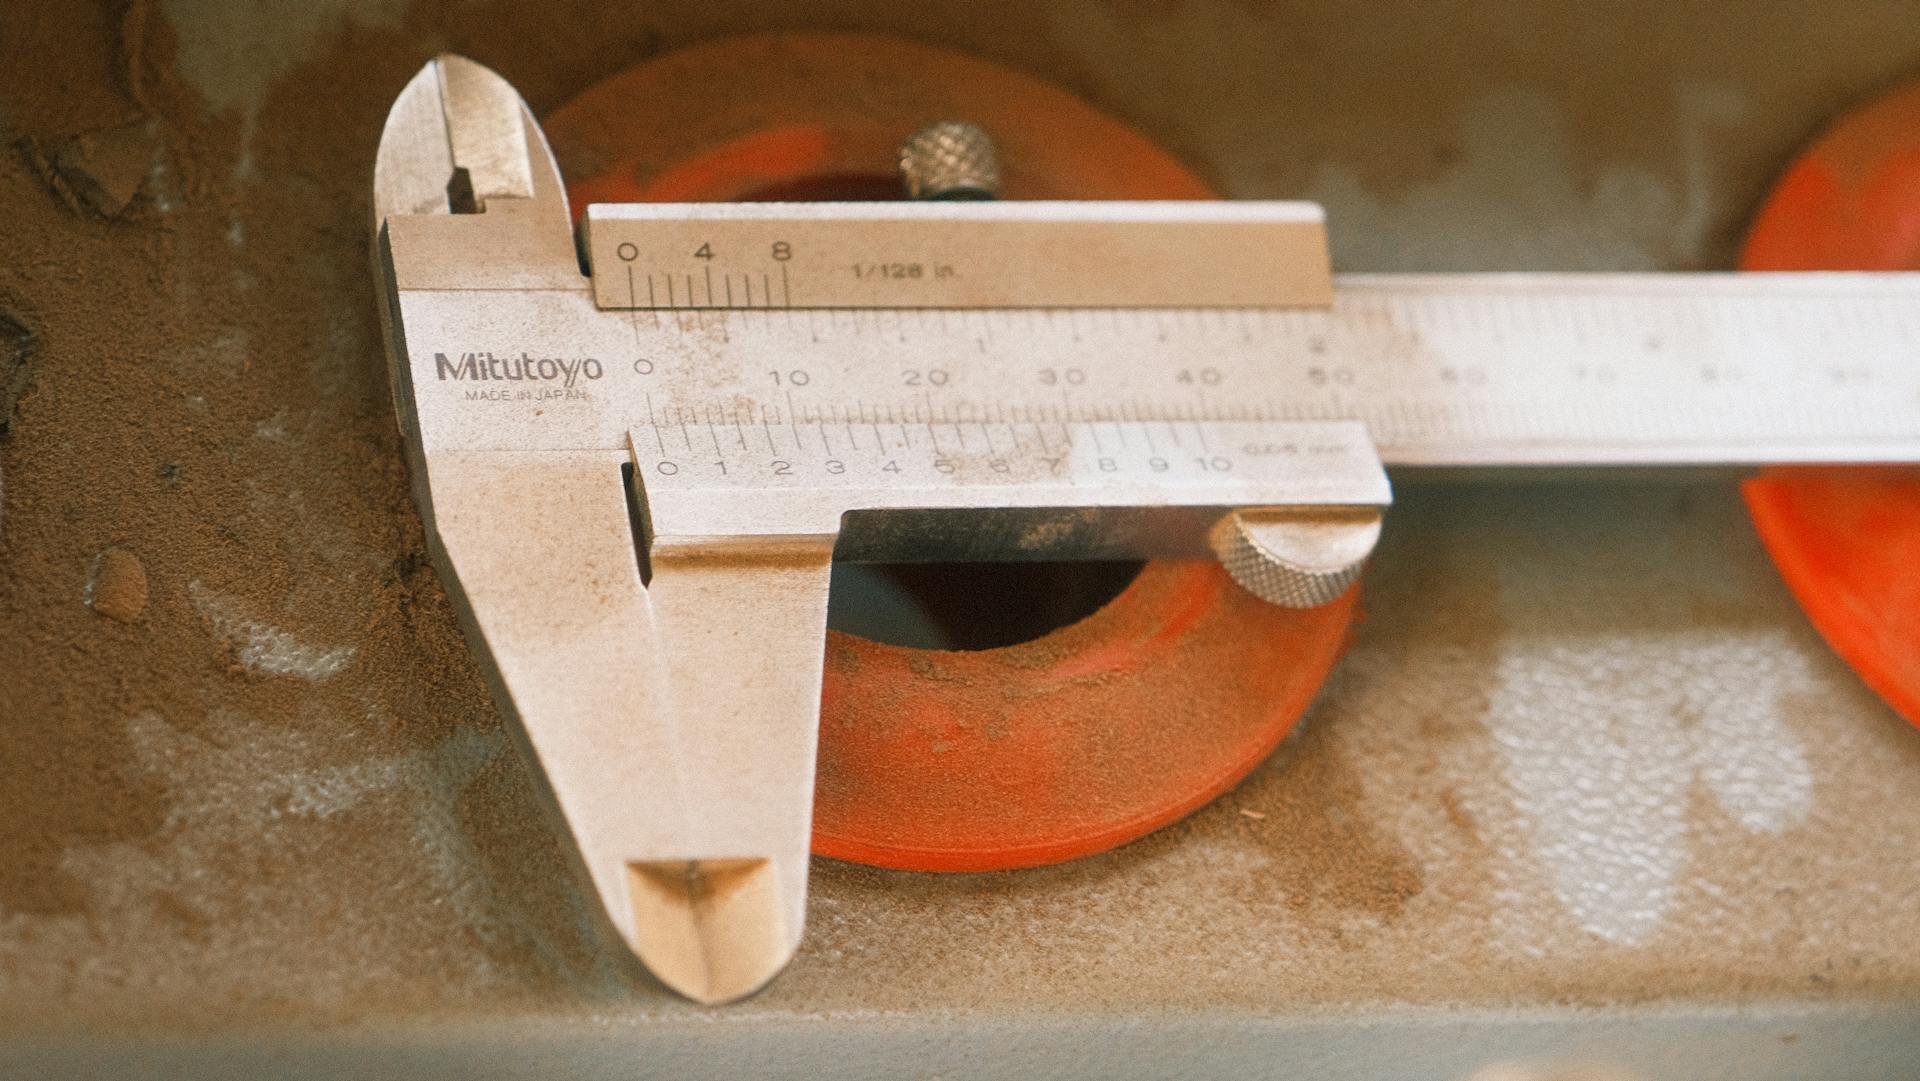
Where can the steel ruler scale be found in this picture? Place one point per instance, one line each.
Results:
(1443, 369)
(847, 390)
(638, 454)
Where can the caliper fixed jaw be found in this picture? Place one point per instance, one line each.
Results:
(674, 724)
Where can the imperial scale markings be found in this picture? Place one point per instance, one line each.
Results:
(963, 381)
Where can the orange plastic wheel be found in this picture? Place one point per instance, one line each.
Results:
(1064, 746)
(1847, 541)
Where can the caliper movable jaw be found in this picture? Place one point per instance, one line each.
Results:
(674, 719)
(663, 717)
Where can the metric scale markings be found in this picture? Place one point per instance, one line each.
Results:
(1454, 370)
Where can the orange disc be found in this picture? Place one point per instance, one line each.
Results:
(1070, 744)
(1067, 745)
(1847, 541)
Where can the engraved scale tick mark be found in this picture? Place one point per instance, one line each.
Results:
(633, 315)
(926, 417)
(654, 420)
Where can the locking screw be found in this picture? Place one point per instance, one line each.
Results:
(950, 159)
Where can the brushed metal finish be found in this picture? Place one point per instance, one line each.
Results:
(935, 255)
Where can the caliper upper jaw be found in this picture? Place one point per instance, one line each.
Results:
(674, 722)
(465, 184)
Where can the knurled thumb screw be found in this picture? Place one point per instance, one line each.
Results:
(950, 159)
(1296, 557)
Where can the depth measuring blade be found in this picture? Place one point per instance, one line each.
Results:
(782, 385)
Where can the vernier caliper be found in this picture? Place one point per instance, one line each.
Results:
(637, 451)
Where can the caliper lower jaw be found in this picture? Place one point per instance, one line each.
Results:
(675, 722)
(741, 634)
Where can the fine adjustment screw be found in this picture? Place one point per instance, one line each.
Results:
(950, 159)
(1296, 557)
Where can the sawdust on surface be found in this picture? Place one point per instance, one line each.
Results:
(280, 790)
(199, 448)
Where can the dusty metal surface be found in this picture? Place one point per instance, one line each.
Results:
(1584, 754)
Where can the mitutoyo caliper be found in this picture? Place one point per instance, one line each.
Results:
(638, 454)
